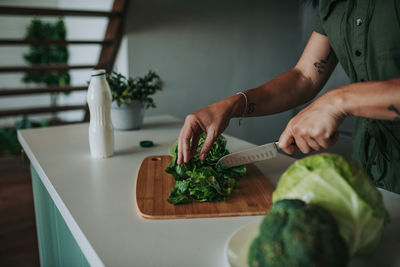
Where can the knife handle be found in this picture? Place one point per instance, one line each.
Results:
(277, 142)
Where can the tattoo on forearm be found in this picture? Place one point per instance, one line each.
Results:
(251, 108)
(394, 109)
(322, 63)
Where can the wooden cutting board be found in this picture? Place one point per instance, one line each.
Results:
(252, 197)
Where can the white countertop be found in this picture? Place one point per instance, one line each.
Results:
(97, 198)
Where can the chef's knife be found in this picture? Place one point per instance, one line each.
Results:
(251, 155)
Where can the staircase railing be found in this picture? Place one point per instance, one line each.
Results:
(109, 49)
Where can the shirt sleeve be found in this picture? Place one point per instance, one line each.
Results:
(317, 25)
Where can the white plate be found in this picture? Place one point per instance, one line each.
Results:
(238, 244)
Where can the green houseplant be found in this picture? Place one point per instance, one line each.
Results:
(130, 98)
(43, 54)
(47, 54)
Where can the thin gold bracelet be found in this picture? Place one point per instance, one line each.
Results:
(245, 106)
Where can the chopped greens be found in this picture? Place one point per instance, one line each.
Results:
(200, 180)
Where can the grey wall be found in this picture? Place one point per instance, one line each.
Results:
(207, 50)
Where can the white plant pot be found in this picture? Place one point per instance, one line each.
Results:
(127, 116)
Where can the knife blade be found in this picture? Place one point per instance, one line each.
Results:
(259, 153)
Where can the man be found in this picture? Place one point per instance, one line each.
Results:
(364, 36)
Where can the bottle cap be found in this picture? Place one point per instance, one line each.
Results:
(98, 72)
(146, 143)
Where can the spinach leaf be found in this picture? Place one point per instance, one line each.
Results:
(200, 180)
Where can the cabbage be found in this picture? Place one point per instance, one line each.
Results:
(343, 188)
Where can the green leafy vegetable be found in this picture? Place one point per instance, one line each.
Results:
(294, 233)
(200, 180)
(344, 189)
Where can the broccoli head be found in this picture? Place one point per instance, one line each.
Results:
(294, 233)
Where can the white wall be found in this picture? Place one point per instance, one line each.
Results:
(15, 27)
(207, 50)
(88, 28)
(78, 28)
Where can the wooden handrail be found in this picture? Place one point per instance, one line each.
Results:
(41, 110)
(52, 42)
(40, 90)
(50, 67)
(11, 10)
(115, 30)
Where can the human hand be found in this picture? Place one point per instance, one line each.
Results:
(211, 120)
(315, 127)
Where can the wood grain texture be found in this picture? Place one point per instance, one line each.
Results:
(252, 197)
(18, 242)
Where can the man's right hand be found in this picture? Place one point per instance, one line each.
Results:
(211, 120)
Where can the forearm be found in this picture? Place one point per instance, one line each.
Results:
(282, 93)
(375, 99)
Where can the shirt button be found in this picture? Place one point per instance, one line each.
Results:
(358, 53)
(359, 22)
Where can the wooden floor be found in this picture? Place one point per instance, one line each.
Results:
(18, 243)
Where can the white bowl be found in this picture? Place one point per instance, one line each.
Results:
(237, 247)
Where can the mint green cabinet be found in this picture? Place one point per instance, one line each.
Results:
(57, 246)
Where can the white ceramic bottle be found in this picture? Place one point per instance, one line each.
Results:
(101, 131)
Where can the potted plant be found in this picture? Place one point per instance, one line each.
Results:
(130, 98)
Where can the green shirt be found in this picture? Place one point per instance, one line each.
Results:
(365, 36)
